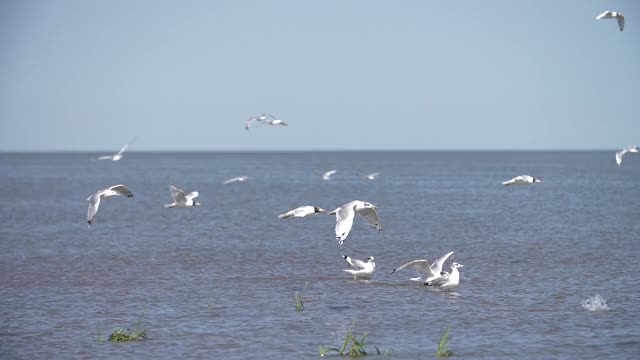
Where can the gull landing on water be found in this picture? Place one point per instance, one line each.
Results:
(447, 281)
(117, 156)
(425, 271)
(235, 179)
(522, 180)
(182, 199)
(346, 213)
(301, 212)
(361, 269)
(630, 149)
(613, 15)
(94, 200)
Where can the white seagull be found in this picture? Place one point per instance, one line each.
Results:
(522, 180)
(235, 179)
(361, 269)
(94, 200)
(117, 156)
(302, 211)
(255, 119)
(275, 122)
(447, 281)
(182, 199)
(631, 149)
(611, 15)
(346, 213)
(425, 271)
(327, 175)
(372, 176)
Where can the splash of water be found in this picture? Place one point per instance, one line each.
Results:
(595, 303)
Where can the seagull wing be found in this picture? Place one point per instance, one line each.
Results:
(192, 195)
(358, 264)
(344, 221)
(421, 266)
(370, 215)
(604, 14)
(439, 281)
(619, 156)
(106, 157)
(436, 267)
(621, 22)
(121, 190)
(177, 194)
(94, 203)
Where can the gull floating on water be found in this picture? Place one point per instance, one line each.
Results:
(182, 199)
(235, 179)
(372, 176)
(425, 271)
(613, 15)
(94, 200)
(302, 211)
(346, 213)
(117, 156)
(327, 175)
(446, 280)
(361, 269)
(619, 154)
(522, 180)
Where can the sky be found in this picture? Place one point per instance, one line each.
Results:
(81, 75)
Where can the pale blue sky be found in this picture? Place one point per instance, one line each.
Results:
(540, 74)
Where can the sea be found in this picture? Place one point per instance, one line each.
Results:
(219, 281)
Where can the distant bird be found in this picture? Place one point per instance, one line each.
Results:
(327, 175)
(522, 180)
(255, 120)
(94, 200)
(426, 272)
(630, 149)
(117, 156)
(372, 176)
(302, 211)
(235, 179)
(345, 214)
(447, 281)
(275, 122)
(611, 15)
(361, 269)
(182, 199)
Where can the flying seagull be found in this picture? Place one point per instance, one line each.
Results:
(302, 211)
(345, 214)
(630, 149)
(235, 179)
(255, 120)
(94, 200)
(182, 199)
(522, 180)
(361, 269)
(117, 156)
(613, 15)
(327, 175)
(426, 272)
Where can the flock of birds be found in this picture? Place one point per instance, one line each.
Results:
(428, 273)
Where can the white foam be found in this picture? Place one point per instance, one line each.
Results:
(595, 303)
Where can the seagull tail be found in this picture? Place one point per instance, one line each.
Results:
(166, 206)
(285, 215)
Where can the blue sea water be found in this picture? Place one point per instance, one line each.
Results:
(219, 280)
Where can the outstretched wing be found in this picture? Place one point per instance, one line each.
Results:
(192, 195)
(370, 215)
(106, 157)
(177, 194)
(344, 221)
(94, 203)
(121, 190)
(436, 267)
(604, 14)
(619, 156)
(421, 266)
(358, 264)
(621, 22)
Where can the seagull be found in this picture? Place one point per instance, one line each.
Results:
(611, 15)
(94, 200)
(117, 156)
(447, 281)
(327, 175)
(346, 213)
(372, 176)
(522, 180)
(363, 270)
(258, 119)
(302, 211)
(275, 122)
(631, 149)
(235, 179)
(182, 199)
(425, 271)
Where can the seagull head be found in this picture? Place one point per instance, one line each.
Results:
(369, 205)
(456, 265)
(318, 209)
(195, 203)
(536, 180)
(371, 259)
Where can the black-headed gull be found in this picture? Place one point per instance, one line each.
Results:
(630, 149)
(182, 199)
(235, 179)
(522, 180)
(361, 269)
(302, 211)
(426, 272)
(447, 281)
(345, 214)
(117, 156)
(613, 15)
(94, 200)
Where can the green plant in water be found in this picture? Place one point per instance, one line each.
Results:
(298, 297)
(120, 334)
(351, 346)
(443, 346)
